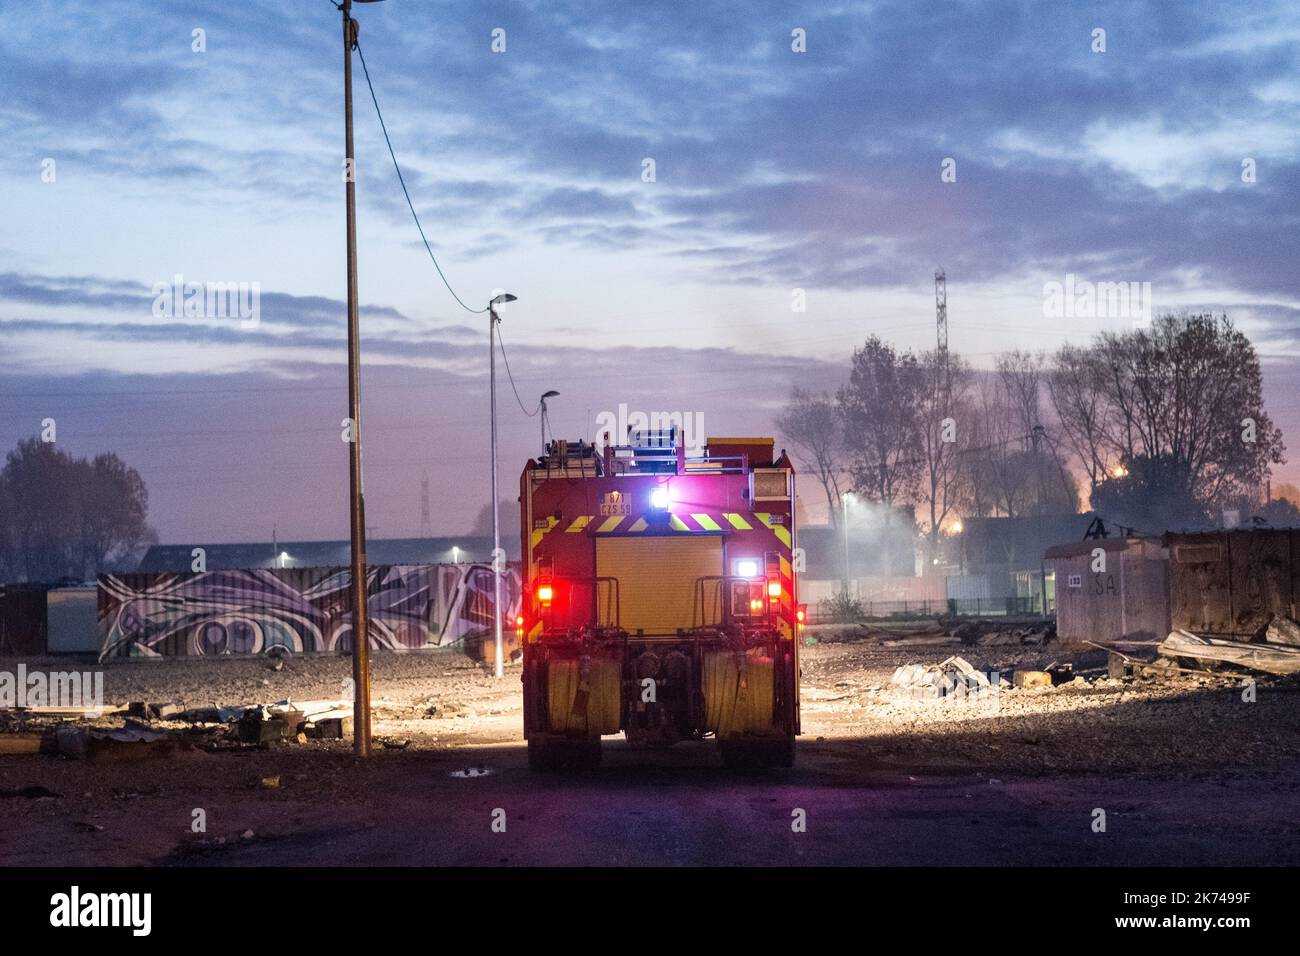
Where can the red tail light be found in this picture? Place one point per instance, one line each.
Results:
(774, 589)
(545, 594)
(801, 614)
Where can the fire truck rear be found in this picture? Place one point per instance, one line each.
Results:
(659, 599)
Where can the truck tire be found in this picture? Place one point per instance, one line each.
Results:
(757, 752)
(564, 753)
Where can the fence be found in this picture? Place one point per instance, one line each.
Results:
(917, 610)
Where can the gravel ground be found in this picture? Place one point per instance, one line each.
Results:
(1193, 771)
(1093, 723)
(442, 699)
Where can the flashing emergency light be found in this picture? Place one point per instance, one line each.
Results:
(801, 614)
(544, 594)
(659, 497)
(519, 626)
(755, 605)
(774, 589)
(747, 568)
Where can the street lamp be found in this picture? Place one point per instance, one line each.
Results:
(357, 506)
(455, 554)
(844, 503)
(498, 558)
(542, 403)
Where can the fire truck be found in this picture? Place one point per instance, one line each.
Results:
(660, 599)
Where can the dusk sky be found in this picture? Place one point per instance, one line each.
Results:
(775, 170)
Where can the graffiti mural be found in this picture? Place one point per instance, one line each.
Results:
(297, 610)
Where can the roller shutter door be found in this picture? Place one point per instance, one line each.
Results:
(657, 577)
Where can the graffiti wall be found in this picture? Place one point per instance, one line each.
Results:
(297, 610)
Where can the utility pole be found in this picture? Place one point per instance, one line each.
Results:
(844, 520)
(360, 630)
(498, 667)
(498, 556)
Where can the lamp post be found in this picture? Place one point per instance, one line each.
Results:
(360, 631)
(498, 557)
(542, 404)
(844, 508)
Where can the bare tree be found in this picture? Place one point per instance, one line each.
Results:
(114, 511)
(1016, 468)
(1188, 390)
(1076, 385)
(881, 408)
(67, 517)
(945, 437)
(811, 424)
(1050, 487)
(997, 482)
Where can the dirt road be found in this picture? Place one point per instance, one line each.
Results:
(1183, 772)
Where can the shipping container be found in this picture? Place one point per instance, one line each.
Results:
(1111, 589)
(1232, 583)
(297, 610)
(71, 613)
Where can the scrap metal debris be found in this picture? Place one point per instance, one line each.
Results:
(1281, 659)
(953, 676)
(1282, 630)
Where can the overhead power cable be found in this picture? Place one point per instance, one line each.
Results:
(502, 345)
(402, 181)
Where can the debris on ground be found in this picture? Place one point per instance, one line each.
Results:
(25, 744)
(1032, 634)
(924, 633)
(1026, 678)
(122, 744)
(1279, 659)
(150, 729)
(940, 679)
(65, 713)
(257, 726)
(1061, 673)
(1282, 630)
(211, 715)
(918, 640)
(147, 711)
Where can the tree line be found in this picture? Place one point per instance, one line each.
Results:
(69, 518)
(1154, 428)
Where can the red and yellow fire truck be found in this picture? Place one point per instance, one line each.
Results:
(659, 599)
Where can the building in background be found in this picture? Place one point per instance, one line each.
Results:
(327, 554)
